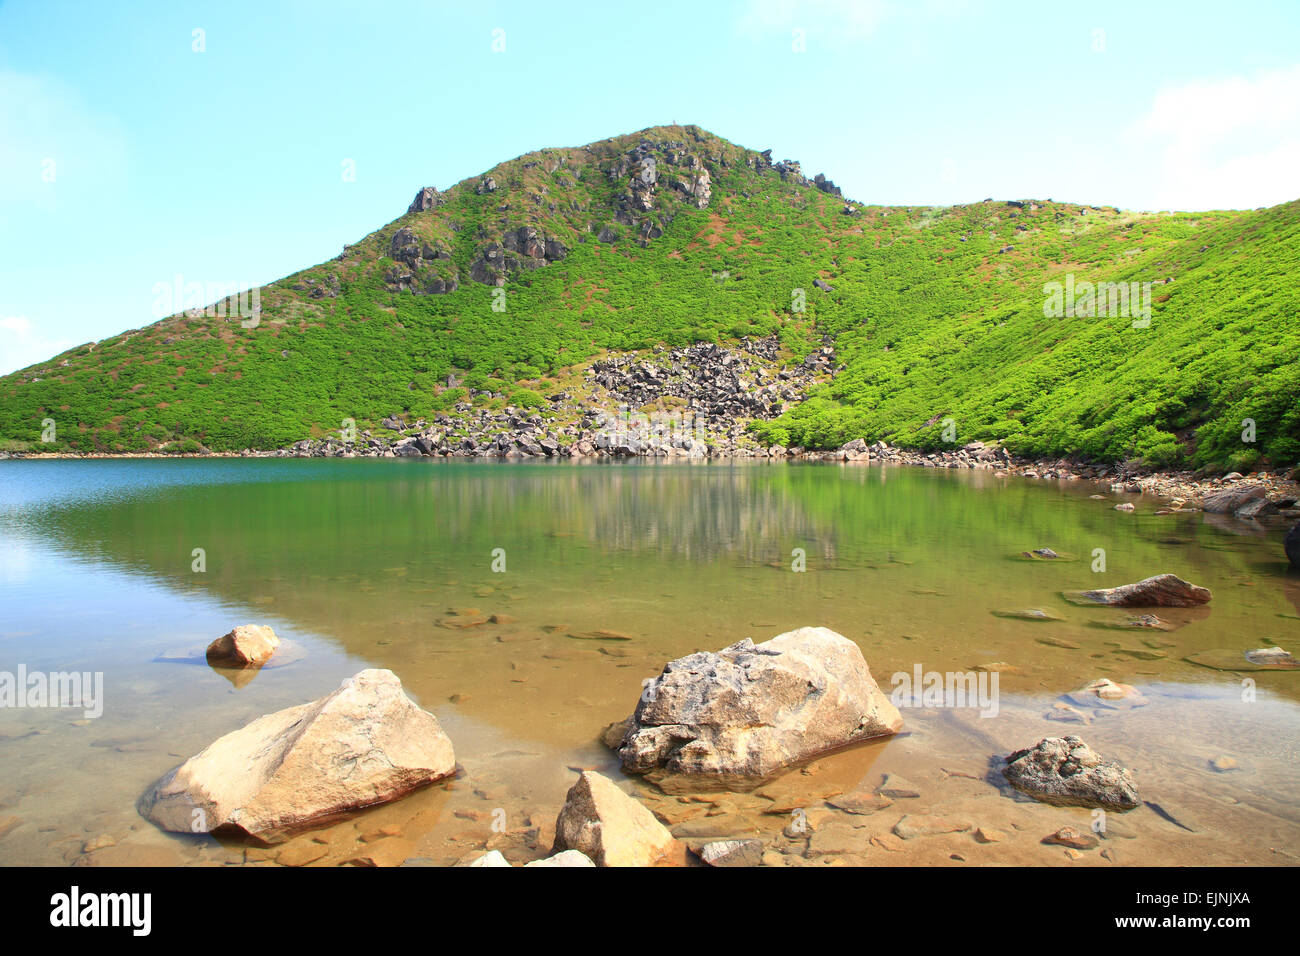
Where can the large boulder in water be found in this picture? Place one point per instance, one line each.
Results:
(752, 709)
(1066, 771)
(1163, 590)
(364, 744)
(1230, 500)
(1293, 546)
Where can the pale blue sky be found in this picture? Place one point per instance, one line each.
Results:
(226, 165)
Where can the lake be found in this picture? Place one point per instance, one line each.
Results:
(524, 604)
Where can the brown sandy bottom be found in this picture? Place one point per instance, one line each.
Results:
(508, 795)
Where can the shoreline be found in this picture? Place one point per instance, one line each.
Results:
(1184, 489)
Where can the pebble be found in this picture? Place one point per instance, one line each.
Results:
(1072, 837)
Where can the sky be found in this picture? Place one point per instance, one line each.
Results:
(237, 142)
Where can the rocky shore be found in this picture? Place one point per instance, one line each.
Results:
(1273, 494)
(696, 402)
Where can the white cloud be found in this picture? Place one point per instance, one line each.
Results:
(21, 344)
(1230, 143)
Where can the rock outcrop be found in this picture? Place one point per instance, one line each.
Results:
(1067, 772)
(752, 709)
(248, 645)
(426, 199)
(1163, 590)
(610, 828)
(366, 743)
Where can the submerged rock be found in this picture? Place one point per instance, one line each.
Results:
(1162, 590)
(1066, 771)
(1029, 614)
(751, 709)
(364, 744)
(897, 787)
(1271, 657)
(912, 826)
(248, 645)
(1104, 692)
(613, 734)
(1141, 622)
(1046, 554)
(611, 828)
(1292, 546)
(732, 853)
(1263, 659)
(1072, 837)
(857, 802)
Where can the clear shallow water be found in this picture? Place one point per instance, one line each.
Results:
(366, 564)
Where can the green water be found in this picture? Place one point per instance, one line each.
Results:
(363, 563)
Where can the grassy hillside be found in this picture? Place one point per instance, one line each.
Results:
(935, 313)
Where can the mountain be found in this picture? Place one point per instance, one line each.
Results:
(918, 325)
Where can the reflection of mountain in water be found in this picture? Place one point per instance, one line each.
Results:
(461, 510)
(324, 541)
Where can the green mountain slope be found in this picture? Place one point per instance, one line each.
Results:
(505, 284)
